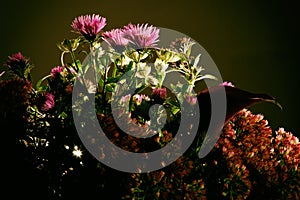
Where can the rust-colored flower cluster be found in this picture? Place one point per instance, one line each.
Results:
(254, 153)
(180, 180)
(248, 162)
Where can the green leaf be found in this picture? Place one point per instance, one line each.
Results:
(197, 59)
(38, 84)
(207, 76)
(68, 45)
(175, 110)
(109, 88)
(112, 79)
(101, 82)
(63, 115)
(174, 103)
(130, 66)
(77, 64)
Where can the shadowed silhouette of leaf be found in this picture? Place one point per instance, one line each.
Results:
(236, 100)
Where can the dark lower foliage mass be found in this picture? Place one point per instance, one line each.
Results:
(248, 160)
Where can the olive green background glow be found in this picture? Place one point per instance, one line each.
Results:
(254, 44)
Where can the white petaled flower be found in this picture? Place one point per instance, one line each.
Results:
(77, 152)
(143, 70)
(160, 65)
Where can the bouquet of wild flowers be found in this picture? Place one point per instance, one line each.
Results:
(118, 83)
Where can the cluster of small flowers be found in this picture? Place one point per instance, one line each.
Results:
(177, 181)
(238, 176)
(127, 141)
(182, 45)
(247, 140)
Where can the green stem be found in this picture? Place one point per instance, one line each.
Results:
(62, 58)
(74, 60)
(93, 64)
(114, 72)
(103, 93)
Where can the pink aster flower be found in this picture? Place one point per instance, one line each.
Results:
(88, 25)
(116, 38)
(191, 99)
(226, 83)
(49, 102)
(16, 59)
(160, 92)
(18, 64)
(141, 36)
(56, 71)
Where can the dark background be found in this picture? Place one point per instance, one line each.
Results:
(254, 44)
